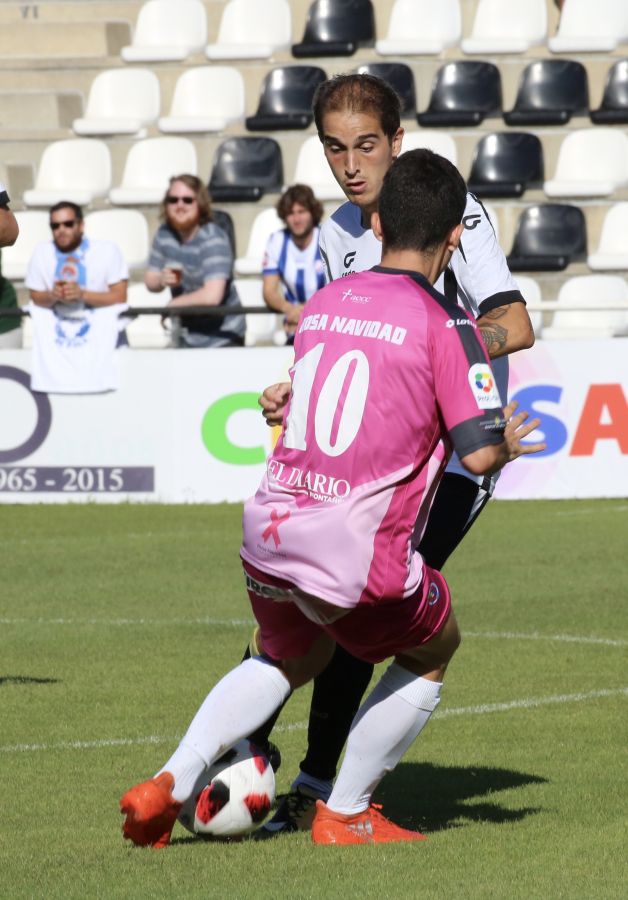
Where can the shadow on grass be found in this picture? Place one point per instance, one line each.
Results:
(433, 798)
(26, 679)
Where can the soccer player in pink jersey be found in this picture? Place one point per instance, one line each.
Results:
(358, 122)
(327, 547)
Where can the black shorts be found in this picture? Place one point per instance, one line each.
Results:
(457, 504)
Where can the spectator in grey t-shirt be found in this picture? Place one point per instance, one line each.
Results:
(192, 256)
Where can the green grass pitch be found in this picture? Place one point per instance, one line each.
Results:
(117, 620)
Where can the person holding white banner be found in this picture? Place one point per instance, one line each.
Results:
(78, 289)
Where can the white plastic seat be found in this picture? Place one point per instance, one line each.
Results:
(532, 295)
(121, 101)
(612, 251)
(77, 170)
(34, 228)
(147, 332)
(149, 166)
(263, 226)
(437, 141)
(125, 227)
(587, 26)
(260, 328)
(587, 291)
(421, 27)
(167, 30)
(252, 29)
(501, 27)
(592, 162)
(312, 168)
(206, 98)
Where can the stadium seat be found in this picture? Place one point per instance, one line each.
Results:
(312, 168)
(591, 163)
(548, 238)
(34, 228)
(464, 93)
(550, 92)
(206, 98)
(590, 27)
(125, 227)
(613, 109)
(531, 292)
(437, 141)
(263, 226)
(587, 291)
(223, 219)
(506, 164)
(612, 251)
(286, 98)
(252, 29)
(167, 30)
(260, 328)
(149, 166)
(147, 332)
(337, 28)
(245, 168)
(121, 101)
(400, 77)
(421, 27)
(514, 28)
(77, 170)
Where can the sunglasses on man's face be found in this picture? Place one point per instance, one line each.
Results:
(171, 199)
(69, 223)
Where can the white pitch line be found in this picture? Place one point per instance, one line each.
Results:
(483, 709)
(536, 636)
(250, 623)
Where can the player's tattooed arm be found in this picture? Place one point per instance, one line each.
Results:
(506, 329)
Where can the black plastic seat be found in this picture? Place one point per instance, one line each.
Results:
(614, 106)
(548, 237)
(464, 93)
(550, 92)
(245, 168)
(401, 79)
(337, 28)
(506, 164)
(222, 218)
(286, 98)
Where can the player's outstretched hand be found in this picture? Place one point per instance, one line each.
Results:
(517, 428)
(273, 402)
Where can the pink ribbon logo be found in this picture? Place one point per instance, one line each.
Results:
(273, 528)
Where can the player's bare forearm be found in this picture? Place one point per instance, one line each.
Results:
(273, 402)
(506, 329)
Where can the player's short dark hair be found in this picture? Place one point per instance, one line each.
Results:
(304, 196)
(67, 204)
(423, 197)
(358, 93)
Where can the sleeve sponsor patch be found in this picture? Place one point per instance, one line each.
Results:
(482, 383)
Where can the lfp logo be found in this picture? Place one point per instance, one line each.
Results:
(482, 384)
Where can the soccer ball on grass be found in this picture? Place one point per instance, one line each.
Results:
(233, 796)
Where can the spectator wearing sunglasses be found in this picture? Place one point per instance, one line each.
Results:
(72, 269)
(191, 255)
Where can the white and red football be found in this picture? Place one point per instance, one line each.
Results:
(233, 797)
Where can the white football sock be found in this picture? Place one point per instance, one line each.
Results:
(241, 701)
(392, 716)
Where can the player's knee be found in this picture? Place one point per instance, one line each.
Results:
(300, 670)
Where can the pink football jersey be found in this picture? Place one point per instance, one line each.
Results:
(388, 377)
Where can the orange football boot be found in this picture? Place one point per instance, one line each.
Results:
(368, 827)
(150, 812)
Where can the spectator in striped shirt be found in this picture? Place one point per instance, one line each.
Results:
(192, 256)
(293, 267)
